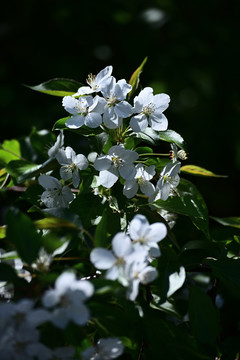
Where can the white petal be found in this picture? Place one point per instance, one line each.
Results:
(99, 105)
(148, 275)
(158, 122)
(70, 104)
(127, 171)
(112, 273)
(161, 101)
(93, 120)
(83, 90)
(144, 98)
(147, 188)
(138, 227)
(123, 109)
(132, 291)
(75, 178)
(130, 156)
(67, 195)
(130, 188)
(106, 72)
(107, 86)
(122, 89)
(138, 123)
(154, 250)
(62, 158)
(117, 150)
(80, 161)
(102, 259)
(165, 191)
(156, 232)
(75, 122)
(121, 245)
(107, 178)
(102, 163)
(49, 182)
(65, 173)
(176, 280)
(111, 120)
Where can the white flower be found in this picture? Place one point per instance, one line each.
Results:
(114, 260)
(106, 349)
(141, 180)
(55, 195)
(22, 313)
(175, 154)
(86, 111)
(67, 299)
(141, 232)
(138, 272)
(23, 345)
(52, 152)
(54, 149)
(71, 164)
(150, 111)
(95, 82)
(118, 161)
(169, 179)
(116, 108)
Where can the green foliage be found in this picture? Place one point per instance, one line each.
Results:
(57, 87)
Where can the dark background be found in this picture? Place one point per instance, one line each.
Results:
(193, 55)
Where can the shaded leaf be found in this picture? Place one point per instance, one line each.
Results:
(228, 221)
(198, 171)
(228, 272)
(107, 227)
(149, 135)
(189, 202)
(22, 233)
(204, 317)
(57, 87)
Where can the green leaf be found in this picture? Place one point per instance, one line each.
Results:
(88, 207)
(173, 137)
(204, 317)
(98, 142)
(60, 124)
(57, 87)
(22, 233)
(228, 272)
(10, 150)
(150, 136)
(134, 80)
(2, 232)
(144, 150)
(228, 221)
(107, 227)
(189, 202)
(22, 170)
(199, 171)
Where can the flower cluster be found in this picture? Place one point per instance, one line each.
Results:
(112, 107)
(128, 261)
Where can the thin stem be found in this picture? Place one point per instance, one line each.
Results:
(125, 130)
